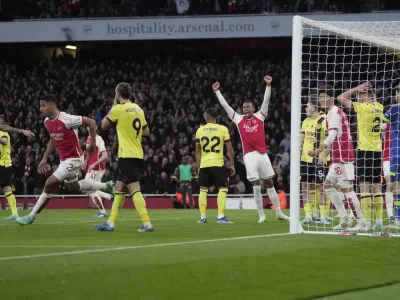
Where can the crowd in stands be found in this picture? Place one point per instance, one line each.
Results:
(41, 9)
(173, 90)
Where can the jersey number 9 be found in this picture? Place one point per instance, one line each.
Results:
(216, 141)
(137, 125)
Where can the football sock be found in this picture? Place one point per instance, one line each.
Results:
(273, 196)
(313, 201)
(104, 195)
(203, 203)
(336, 199)
(378, 201)
(221, 200)
(366, 205)
(12, 202)
(327, 206)
(258, 200)
(140, 205)
(321, 205)
(91, 185)
(40, 204)
(389, 203)
(354, 204)
(96, 199)
(397, 208)
(308, 210)
(119, 200)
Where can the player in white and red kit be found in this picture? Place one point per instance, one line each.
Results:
(342, 153)
(94, 167)
(256, 160)
(63, 132)
(386, 170)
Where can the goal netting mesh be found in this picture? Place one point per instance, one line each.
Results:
(360, 61)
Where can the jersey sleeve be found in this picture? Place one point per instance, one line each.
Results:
(197, 138)
(72, 121)
(237, 117)
(114, 114)
(333, 120)
(100, 144)
(143, 120)
(226, 135)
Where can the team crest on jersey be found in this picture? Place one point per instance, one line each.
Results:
(254, 121)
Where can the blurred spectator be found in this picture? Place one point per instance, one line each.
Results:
(238, 186)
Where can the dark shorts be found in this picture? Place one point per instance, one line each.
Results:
(312, 173)
(213, 176)
(369, 166)
(130, 169)
(5, 176)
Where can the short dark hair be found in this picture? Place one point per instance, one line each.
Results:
(49, 98)
(251, 102)
(125, 90)
(211, 112)
(326, 89)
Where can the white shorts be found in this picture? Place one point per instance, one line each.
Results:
(95, 175)
(69, 169)
(342, 174)
(258, 166)
(386, 168)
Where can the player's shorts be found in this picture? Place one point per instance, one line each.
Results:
(258, 166)
(312, 173)
(341, 174)
(6, 176)
(369, 166)
(69, 169)
(395, 168)
(213, 176)
(95, 175)
(130, 170)
(386, 168)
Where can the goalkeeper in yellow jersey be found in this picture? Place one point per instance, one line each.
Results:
(210, 141)
(313, 132)
(369, 150)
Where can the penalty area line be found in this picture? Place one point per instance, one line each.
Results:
(7, 258)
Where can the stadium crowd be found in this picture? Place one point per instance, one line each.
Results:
(28, 9)
(173, 90)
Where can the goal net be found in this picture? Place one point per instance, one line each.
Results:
(344, 81)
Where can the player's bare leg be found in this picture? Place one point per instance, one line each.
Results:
(43, 200)
(273, 196)
(389, 199)
(306, 203)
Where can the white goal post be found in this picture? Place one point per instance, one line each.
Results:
(343, 55)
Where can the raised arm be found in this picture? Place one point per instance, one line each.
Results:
(229, 110)
(345, 98)
(267, 96)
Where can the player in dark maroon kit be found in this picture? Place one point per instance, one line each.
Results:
(63, 131)
(251, 129)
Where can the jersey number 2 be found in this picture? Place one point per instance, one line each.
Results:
(377, 125)
(206, 141)
(137, 125)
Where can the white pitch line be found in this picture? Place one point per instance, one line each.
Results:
(59, 246)
(7, 258)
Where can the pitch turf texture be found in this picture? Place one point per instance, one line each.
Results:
(62, 257)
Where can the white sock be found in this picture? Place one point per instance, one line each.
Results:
(110, 223)
(96, 199)
(378, 221)
(337, 201)
(274, 199)
(389, 203)
(203, 215)
(104, 195)
(351, 196)
(91, 185)
(258, 200)
(40, 204)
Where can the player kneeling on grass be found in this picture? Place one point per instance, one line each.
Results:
(210, 140)
(313, 131)
(342, 169)
(94, 166)
(250, 125)
(63, 132)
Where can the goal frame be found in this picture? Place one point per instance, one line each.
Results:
(299, 24)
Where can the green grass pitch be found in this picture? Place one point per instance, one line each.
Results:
(62, 257)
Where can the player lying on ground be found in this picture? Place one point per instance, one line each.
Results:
(342, 169)
(6, 169)
(313, 132)
(95, 166)
(257, 163)
(393, 114)
(210, 140)
(131, 126)
(369, 150)
(63, 132)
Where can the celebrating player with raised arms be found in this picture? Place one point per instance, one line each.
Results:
(369, 150)
(251, 129)
(63, 130)
(342, 170)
